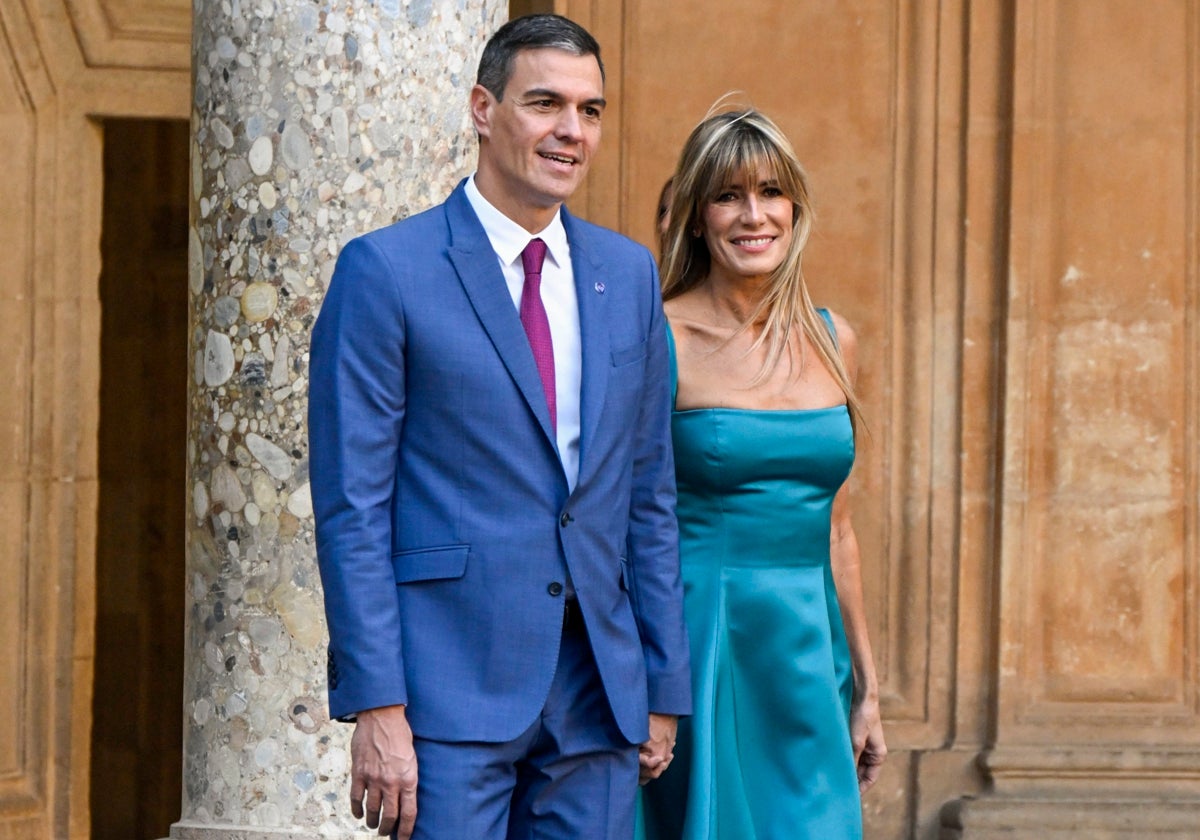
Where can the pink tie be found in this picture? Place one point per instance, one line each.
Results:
(537, 325)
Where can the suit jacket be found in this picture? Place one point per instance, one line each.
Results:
(445, 528)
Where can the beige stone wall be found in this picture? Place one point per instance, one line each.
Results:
(1008, 215)
(63, 65)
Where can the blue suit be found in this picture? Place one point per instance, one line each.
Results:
(445, 527)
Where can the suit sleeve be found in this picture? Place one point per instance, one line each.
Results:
(355, 417)
(653, 541)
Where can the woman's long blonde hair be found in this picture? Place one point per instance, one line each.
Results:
(721, 148)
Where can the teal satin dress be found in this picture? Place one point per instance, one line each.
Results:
(766, 754)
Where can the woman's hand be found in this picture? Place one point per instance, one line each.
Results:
(866, 733)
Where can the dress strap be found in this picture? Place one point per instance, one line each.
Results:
(672, 363)
(824, 313)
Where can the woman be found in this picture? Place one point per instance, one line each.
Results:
(786, 731)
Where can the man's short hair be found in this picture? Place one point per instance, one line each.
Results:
(531, 32)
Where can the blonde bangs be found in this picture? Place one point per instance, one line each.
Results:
(743, 149)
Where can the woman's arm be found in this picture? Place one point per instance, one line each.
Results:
(866, 725)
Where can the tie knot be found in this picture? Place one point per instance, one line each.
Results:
(532, 257)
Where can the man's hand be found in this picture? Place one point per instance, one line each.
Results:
(655, 755)
(383, 771)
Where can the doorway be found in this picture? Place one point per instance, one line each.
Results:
(137, 732)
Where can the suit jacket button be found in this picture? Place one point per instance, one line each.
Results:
(564, 519)
(555, 589)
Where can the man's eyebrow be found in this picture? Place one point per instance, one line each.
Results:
(541, 93)
(547, 93)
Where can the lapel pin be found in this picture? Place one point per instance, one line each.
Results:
(599, 288)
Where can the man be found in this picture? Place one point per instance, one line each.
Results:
(494, 486)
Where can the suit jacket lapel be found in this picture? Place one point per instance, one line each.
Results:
(473, 258)
(588, 266)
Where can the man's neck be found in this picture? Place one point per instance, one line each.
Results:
(532, 218)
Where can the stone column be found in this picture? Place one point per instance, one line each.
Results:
(313, 121)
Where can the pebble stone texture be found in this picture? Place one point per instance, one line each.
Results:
(313, 121)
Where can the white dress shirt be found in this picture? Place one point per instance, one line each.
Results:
(562, 310)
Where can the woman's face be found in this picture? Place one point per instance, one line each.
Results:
(748, 226)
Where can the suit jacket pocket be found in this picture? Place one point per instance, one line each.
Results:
(629, 355)
(440, 563)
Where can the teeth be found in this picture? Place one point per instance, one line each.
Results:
(558, 158)
(760, 241)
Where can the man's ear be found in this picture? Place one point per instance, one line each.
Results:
(482, 101)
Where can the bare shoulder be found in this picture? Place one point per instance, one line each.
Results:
(674, 318)
(847, 342)
(845, 333)
(687, 319)
(683, 306)
(671, 308)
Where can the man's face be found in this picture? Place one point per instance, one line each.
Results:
(537, 142)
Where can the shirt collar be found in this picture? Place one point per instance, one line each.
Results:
(508, 238)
